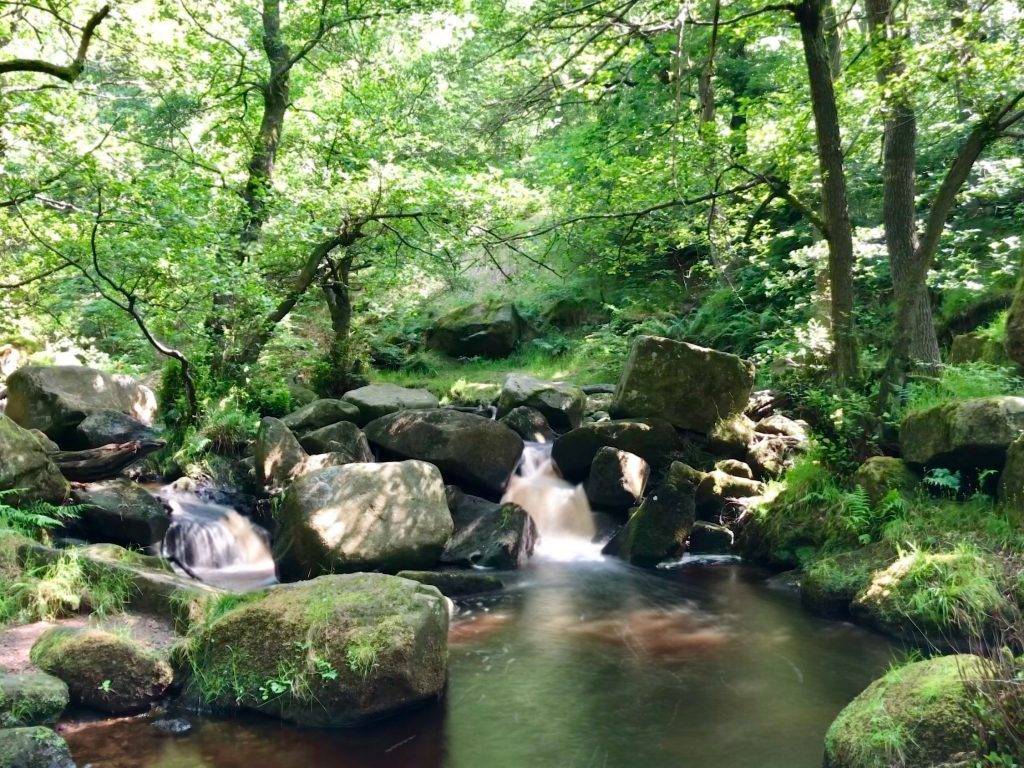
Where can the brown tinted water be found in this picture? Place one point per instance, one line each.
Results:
(587, 663)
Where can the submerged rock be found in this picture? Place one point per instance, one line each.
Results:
(617, 479)
(919, 714)
(31, 698)
(320, 413)
(376, 400)
(453, 583)
(488, 535)
(529, 424)
(34, 747)
(467, 448)
(964, 434)
(389, 516)
(102, 670)
(173, 726)
(653, 440)
(485, 329)
(121, 512)
(352, 648)
(26, 468)
(692, 387)
(56, 399)
(561, 403)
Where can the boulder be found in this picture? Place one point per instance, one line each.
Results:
(918, 714)
(735, 468)
(102, 670)
(653, 440)
(529, 424)
(732, 436)
(710, 539)
(456, 583)
(320, 413)
(48, 445)
(599, 402)
(831, 584)
(617, 479)
(691, 387)
(880, 474)
(388, 516)
(488, 535)
(106, 427)
(278, 454)
(571, 312)
(376, 400)
(1011, 481)
(343, 437)
(467, 448)
(1015, 326)
(771, 455)
(34, 747)
(717, 488)
(121, 512)
(335, 651)
(977, 347)
(562, 404)
(485, 329)
(31, 698)
(963, 434)
(777, 424)
(25, 467)
(56, 399)
(660, 527)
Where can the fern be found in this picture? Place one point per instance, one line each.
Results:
(35, 519)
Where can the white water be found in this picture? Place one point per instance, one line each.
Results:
(214, 543)
(560, 510)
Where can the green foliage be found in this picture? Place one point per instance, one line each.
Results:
(961, 382)
(35, 520)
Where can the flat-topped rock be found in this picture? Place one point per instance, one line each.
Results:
(320, 413)
(376, 400)
(963, 434)
(561, 403)
(653, 440)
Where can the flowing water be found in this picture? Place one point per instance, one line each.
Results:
(589, 663)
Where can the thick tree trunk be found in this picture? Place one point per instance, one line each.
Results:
(338, 294)
(835, 206)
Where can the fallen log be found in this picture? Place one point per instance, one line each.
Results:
(104, 462)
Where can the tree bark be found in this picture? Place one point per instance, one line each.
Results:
(102, 463)
(835, 205)
(338, 294)
(66, 72)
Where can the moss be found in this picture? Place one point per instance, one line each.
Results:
(830, 584)
(33, 747)
(31, 698)
(920, 714)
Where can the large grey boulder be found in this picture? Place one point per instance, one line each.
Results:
(343, 437)
(484, 329)
(488, 535)
(692, 387)
(25, 467)
(561, 403)
(56, 399)
(529, 424)
(33, 747)
(31, 698)
(106, 427)
(376, 400)
(320, 413)
(278, 454)
(617, 479)
(388, 516)
(121, 512)
(653, 440)
(468, 449)
(356, 647)
(963, 434)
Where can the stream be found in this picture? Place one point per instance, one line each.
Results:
(586, 662)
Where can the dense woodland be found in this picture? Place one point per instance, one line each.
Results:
(255, 205)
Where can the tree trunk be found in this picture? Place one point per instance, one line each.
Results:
(833, 39)
(835, 206)
(338, 294)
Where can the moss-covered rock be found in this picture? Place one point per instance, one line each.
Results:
(653, 440)
(732, 436)
(716, 488)
(617, 479)
(277, 452)
(488, 535)
(485, 329)
(979, 347)
(830, 584)
(561, 403)
(33, 747)
(25, 467)
(102, 670)
(454, 583)
(328, 652)
(969, 434)
(320, 413)
(879, 475)
(691, 387)
(710, 539)
(1011, 481)
(659, 528)
(918, 715)
(31, 698)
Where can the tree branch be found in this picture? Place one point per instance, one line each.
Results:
(68, 72)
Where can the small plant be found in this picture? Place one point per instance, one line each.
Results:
(35, 520)
(943, 480)
(105, 686)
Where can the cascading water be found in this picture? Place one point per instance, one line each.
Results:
(214, 543)
(560, 510)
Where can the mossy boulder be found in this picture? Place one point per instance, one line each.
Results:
(56, 399)
(25, 467)
(977, 347)
(490, 329)
(320, 413)
(342, 437)
(121, 512)
(468, 449)
(387, 516)
(31, 698)
(653, 440)
(1015, 326)
(659, 528)
(717, 488)
(1011, 481)
(103, 670)
(691, 387)
(879, 475)
(334, 651)
(561, 403)
(376, 400)
(571, 312)
(963, 434)
(33, 747)
(919, 715)
(830, 584)
(617, 479)
(732, 436)
(710, 539)
(488, 535)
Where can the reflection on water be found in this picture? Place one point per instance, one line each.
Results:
(579, 664)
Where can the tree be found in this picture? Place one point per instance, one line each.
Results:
(66, 72)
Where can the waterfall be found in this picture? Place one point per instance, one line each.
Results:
(560, 510)
(214, 543)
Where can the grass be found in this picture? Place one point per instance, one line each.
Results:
(961, 382)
